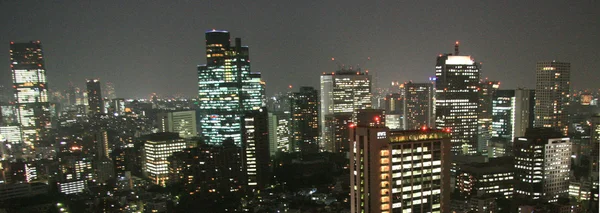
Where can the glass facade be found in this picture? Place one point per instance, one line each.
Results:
(31, 89)
(226, 88)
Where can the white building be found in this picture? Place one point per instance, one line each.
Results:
(157, 148)
(182, 122)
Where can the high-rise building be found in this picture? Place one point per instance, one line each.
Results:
(457, 100)
(272, 134)
(31, 90)
(255, 143)
(344, 91)
(552, 95)
(157, 148)
(487, 90)
(404, 171)
(503, 114)
(543, 165)
(94, 95)
(110, 90)
(181, 122)
(594, 171)
(524, 111)
(226, 88)
(494, 178)
(75, 172)
(418, 105)
(304, 110)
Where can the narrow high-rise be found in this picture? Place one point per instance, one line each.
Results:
(418, 105)
(552, 95)
(94, 95)
(344, 91)
(305, 120)
(31, 90)
(457, 100)
(226, 88)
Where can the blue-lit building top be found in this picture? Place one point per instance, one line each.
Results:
(226, 88)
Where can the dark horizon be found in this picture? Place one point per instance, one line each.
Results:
(156, 47)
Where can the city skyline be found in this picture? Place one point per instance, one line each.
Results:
(140, 57)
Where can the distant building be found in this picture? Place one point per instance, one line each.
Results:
(494, 178)
(31, 90)
(343, 91)
(304, 110)
(398, 170)
(181, 122)
(157, 148)
(273, 124)
(94, 95)
(226, 88)
(255, 143)
(457, 100)
(75, 172)
(543, 165)
(552, 95)
(418, 106)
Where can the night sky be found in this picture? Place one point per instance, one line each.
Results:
(155, 46)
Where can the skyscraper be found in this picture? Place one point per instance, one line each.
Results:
(158, 147)
(181, 122)
(344, 91)
(255, 143)
(226, 88)
(398, 171)
(305, 120)
(543, 165)
(457, 100)
(418, 105)
(110, 90)
(31, 89)
(94, 95)
(552, 94)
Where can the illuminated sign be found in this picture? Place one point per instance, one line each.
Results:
(381, 135)
(418, 136)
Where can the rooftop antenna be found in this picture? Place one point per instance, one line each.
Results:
(456, 48)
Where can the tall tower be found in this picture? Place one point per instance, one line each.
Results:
(342, 92)
(94, 95)
(457, 100)
(31, 89)
(418, 105)
(305, 120)
(226, 88)
(552, 95)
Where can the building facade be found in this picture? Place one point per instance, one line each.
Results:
(304, 110)
(94, 95)
(158, 147)
(30, 89)
(226, 88)
(398, 171)
(344, 91)
(457, 100)
(418, 106)
(552, 95)
(181, 122)
(543, 165)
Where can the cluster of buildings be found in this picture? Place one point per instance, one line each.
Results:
(456, 142)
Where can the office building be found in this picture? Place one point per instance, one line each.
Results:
(398, 171)
(157, 148)
(543, 165)
(255, 151)
(110, 91)
(10, 134)
(418, 106)
(226, 88)
(457, 100)
(181, 122)
(503, 114)
(552, 95)
(343, 91)
(304, 110)
(284, 133)
(94, 95)
(273, 125)
(31, 90)
(594, 172)
(487, 90)
(494, 178)
(200, 169)
(118, 106)
(75, 172)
